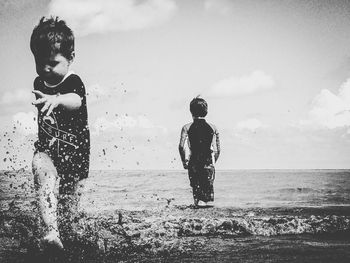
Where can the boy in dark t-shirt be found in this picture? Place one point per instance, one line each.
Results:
(204, 145)
(63, 147)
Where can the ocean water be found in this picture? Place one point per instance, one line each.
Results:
(148, 216)
(135, 190)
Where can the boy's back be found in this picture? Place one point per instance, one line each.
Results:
(201, 140)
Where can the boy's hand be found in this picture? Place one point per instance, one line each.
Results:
(50, 101)
(185, 165)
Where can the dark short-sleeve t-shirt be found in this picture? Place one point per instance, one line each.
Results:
(64, 134)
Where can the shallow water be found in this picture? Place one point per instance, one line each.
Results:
(137, 190)
(125, 214)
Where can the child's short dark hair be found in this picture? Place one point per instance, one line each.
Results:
(199, 107)
(52, 35)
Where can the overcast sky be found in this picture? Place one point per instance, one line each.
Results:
(276, 75)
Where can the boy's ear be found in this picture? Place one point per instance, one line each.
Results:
(72, 56)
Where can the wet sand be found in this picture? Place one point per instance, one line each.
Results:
(292, 248)
(300, 248)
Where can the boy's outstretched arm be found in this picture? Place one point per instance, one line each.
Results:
(182, 147)
(70, 101)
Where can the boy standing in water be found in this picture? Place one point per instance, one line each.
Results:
(204, 144)
(63, 147)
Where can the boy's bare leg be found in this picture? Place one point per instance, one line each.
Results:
(195, 201)
(68, 202)
(45, 179)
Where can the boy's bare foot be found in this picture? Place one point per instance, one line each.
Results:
(51, 249)
(201, 203)
(52, 240)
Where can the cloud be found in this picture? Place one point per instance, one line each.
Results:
(329, 110)
(248, 84)
(124, 122)
(220, 6)
(25, 122)
(14, 96)
(91, 16)
(250, 125)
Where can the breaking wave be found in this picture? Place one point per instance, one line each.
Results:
(125, 232)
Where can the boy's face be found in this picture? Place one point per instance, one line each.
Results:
(52, 68)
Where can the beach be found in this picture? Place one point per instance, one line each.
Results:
(147, 216)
